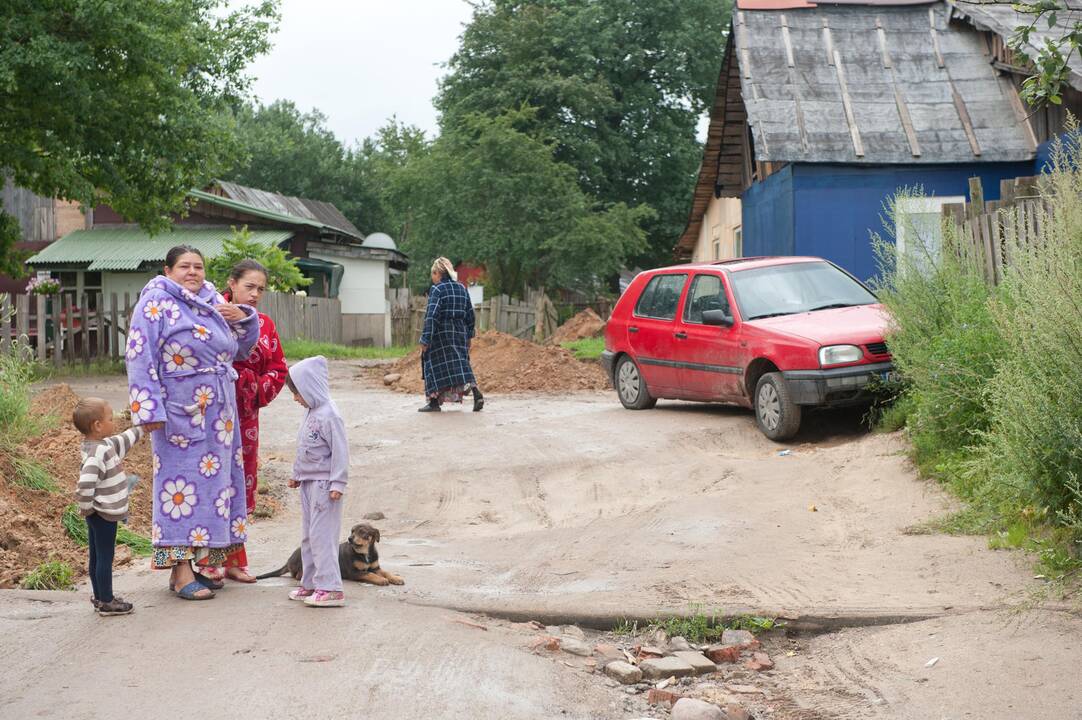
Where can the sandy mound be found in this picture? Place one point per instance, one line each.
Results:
(586, 324)
(30, 529)
(505, 364)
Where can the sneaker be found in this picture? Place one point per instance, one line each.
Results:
(95, 602)
(116, 606)
(326, 598)
(301, 594)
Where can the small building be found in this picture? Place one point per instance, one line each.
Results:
(825, 110)
(110, 255)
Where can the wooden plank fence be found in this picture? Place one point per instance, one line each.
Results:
(534, 318)
(990, 234)
(69, 330)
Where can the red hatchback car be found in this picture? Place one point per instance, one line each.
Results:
(774, 334)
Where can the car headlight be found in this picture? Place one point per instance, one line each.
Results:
(838, 354)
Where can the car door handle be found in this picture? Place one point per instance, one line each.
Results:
(632, 329)
(681, 336)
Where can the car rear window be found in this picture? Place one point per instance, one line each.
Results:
(661, 296)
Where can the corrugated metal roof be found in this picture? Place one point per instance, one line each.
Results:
(322, 212)
(1002, 19)
(906, 82)
(129, 248)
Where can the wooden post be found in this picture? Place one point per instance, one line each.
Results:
(58, 329)
(989, 250)
(22, 323)
(115, 341)
(69, 328)
(6, 311)
(99, 314)
(976, 197)
(997, 247)
(39, 302)
(85, 330)
(539, 317)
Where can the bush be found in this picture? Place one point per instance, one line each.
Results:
(1034, 442)
(52, 575)
(283, 273)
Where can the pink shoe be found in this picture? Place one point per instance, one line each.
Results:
(326, 598)
(301, 594)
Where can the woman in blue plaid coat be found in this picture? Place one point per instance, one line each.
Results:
(445, 341)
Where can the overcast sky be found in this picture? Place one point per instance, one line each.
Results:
(361, 61)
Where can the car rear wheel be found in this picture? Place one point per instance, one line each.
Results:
(775, 412)
(631, 387)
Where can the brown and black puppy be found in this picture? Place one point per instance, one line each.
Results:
(358, 559)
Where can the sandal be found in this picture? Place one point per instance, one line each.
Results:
(208, 583)
(188, 592)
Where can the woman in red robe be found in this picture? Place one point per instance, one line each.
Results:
(260, 377)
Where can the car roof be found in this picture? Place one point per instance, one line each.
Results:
(745, 263)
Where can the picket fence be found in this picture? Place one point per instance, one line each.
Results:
(534, 318)
(67, 329)
(991, 234)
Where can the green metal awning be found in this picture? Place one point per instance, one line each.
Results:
(105, 248)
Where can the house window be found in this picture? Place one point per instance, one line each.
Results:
(738, 241)
(716, 248)
(918, 229)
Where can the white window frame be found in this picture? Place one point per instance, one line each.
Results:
(919, 206)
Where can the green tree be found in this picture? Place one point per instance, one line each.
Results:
(488, 193)
(1050, 66)
(620, 85)
(283, 273)
(292, 152)
(124, 102)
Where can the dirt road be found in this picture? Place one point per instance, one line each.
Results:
(572, 508)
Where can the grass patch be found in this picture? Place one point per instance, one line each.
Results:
(75, 525)
(587, 348)
(698, 627)
(51, 575)
(301, 349)
(33, 475)
(96, 367)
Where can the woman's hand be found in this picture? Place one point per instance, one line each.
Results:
(293, 484)
(232, 313)
(335, 495)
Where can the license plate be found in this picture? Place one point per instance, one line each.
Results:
(890, 377)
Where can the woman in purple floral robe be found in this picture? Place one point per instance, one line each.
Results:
(182, 341)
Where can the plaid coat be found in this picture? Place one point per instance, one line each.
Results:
(449, 326)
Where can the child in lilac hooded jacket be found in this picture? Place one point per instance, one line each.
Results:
(321, 470)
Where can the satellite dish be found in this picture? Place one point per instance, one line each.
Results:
(380, 240)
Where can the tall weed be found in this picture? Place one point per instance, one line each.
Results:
(1034, 441)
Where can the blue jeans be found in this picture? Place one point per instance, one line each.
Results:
(102, 536)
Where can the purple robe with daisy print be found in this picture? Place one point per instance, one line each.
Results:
(180, 357)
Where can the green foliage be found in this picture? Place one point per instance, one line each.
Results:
(75, 525)
(32, 475)
(993, 401)
(1051, 70)
(127, 102)
(618, 85)
(284, 275)
(698, 626)
(301, 349)
(11, 258)
(292, 152)
(586, 349)
(16, 374)
(490, 193)
(51, 575)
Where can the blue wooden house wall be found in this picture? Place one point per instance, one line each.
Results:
(831, 211)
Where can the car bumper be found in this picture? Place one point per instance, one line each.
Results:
(837, 386)
(608, 358)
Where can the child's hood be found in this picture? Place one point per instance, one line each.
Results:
(309, 376)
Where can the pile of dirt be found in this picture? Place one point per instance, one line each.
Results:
(505, 364)
(586, 324)
(30, 520)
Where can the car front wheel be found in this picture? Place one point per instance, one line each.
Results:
(631, 387)
(775, 412)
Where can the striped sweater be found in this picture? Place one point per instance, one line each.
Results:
(103, 486)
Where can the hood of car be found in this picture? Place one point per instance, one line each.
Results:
(838, 326)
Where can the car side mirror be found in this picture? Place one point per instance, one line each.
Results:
(717, 317)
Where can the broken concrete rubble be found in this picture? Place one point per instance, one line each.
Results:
(624, 673)
(658, 668)
(699, 663)
(692, 709)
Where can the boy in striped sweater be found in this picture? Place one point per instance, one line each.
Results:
(102, 493)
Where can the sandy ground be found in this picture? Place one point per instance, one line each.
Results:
(572, 508)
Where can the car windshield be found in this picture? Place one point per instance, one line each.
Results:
(796, 288)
